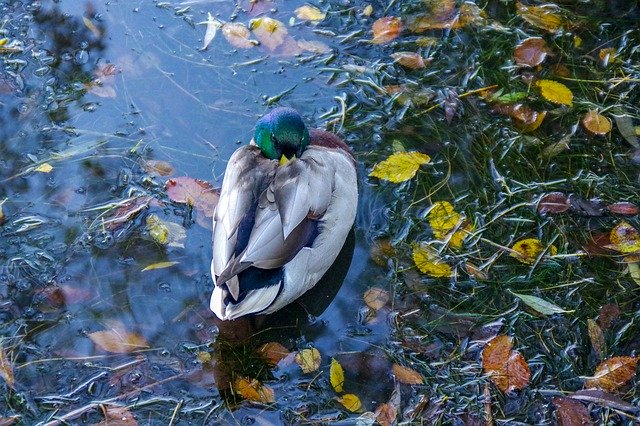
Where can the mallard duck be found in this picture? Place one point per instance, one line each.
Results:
(287, 203)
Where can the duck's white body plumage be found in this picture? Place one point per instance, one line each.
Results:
(287, 222)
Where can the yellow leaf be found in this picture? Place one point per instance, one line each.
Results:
(336, 375)
(253, 390)
(118, 341)
(351, 402)
(625, 238)
(308, 360)
(633, 264)
(270, 32)
(528, 250)
(443, 218)
(456, 239)
(44, 168)
(428, 262)
(158, 230)
(310, 13)
(368, 10)
(400, 166)
(545, 17)
(3, 41)
(555, 92)
(159, 265)
(376, 298)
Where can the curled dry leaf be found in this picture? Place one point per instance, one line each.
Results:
(310, 13)
(596, 124)
(528, 250)
(308, 360)
(376, 298)
(409, 59)
(570, 412)
(554, 202)
(270, 32)
(555, 92)
(6, 368)
(273, 352)
(400, 166)
(531, 52)
(237, 35)
(613, 373)
(507, 368)
(428, 262)
(624, 208)
(195, 192)
(386, 29)
(625, 238)
(253, 390)
(546, 17)
(118, 341)
(336, 375)
(407, 375)
(350, 401)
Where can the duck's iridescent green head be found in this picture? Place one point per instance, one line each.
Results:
(281, 132)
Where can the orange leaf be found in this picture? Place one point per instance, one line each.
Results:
(273, 352)
(386, 414)
(253, 390)
(409, 59)
(531, 52)
(441, 14)
(596, 124)
(386, 29)
(118, 341)
(407, 375)
(507, 368)
(611, 374)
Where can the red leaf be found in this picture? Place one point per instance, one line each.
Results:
(198, 193)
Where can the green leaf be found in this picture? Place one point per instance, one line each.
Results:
(540, 305)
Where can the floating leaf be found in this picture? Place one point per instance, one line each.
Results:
(253, 390)
(237, 35)
(596, 336)
(506, 368)
(545, 17)
(161, 168)
(554, 202)
(386, 29)
(528, 250)
(624, 208)
(166, 233)
(336, 375)
(118, 341)
(613, 373)
(310, 13)
(195, 192)
(400, 166)
(407, 375)
(540, 305)
(596, 123)
(115, 415)
(270, 32)
(6, 368)
(376, 298)
(570, 412)
(313, 46)
(531, 52)
(92, 27)
(409, 59)
(309, 360)
(428, 262)
(441, 14)
(44, 168)
(212, 28)
(555, 92)
(159, 265)
(625, 238)
(273, 352)
(350, 401)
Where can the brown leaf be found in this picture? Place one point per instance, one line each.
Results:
(309, 360)
(441, 14)
(596, 336)
(624, 208)
(525, 118)
(117, 416)
(409, 59)
(8, 421)
(158, 167)
(611, 374)
(507, 368)
(273, 352)
(6, 368)
(554, 202)
(596, 124)
(545, 17)
(198, 193)
(607, 315)
(386, 414)
(126, 212)
(570, 412)
(118, 341)
(476, 272)
(407, 375)
(598, 245)
(381, 252)
(376, 298)
(531, 52)
(386, 29)
(253, 390)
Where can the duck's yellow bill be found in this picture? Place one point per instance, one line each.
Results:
(284, 160)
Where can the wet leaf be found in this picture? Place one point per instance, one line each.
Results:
(166, 233)
(596, 124)
(409, 59)
(407, 375)
(44, 168)
(381, 252)
(475, 272)
(92, 27)
(212, 28)
(386, 29)
(115, 415)
(540, 305)
(350, 401)
(159, 265)
(546, 17)
(613, 373)
(603, 398)
(6, 368)
(554, 202)
(158, 167)
(195, 192)
(310, 13)
(126, 212)
(270, 32)
(506, 368)
(428, 262)
(368, 10)
(313, 46)
(118, 341)
(376, 298)
(400, 166)
(624, 123)
(238, 35)
(555, 92)
(528, 250)
(624, 208)
(273, 352)
(570, 412)
(253, 390)
(443, 218)
(526, 119)
(625, 238)
(8, 421)
(633, 265)
(607, 314)
(596, 336)
(441, 14)
(531, 52)
(308, 360)
(102, 90)
(336, 375)
(608, 55)
(386, 414)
